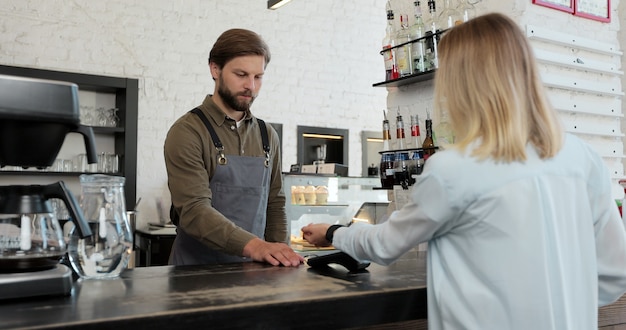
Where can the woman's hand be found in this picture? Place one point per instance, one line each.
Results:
(315, 233)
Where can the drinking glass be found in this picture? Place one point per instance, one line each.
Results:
(80, 163)
(102, 117)
(112, 118)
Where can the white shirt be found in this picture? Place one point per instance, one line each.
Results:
(533, 245)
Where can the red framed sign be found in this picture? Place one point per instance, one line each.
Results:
(563, 5)
(599, 10)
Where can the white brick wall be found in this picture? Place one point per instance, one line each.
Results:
(324, 62)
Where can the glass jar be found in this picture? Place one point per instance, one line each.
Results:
(106, 252)
(417, 163)
(387, 169)
(401, 170)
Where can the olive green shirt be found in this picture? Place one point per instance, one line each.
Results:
(190, 159)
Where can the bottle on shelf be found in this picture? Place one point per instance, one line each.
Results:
(418, 49)
(391, 70)
(403, 53)
(417, 163)
(429, 140)
(416, 138)
(386, 168)
(401, 173)
(431, 42)
(449, 16)
(386, 133)
(400, 136)
(444, 132)
(467, 9)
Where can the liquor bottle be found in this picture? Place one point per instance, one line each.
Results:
(466, 9)
(400, 131)
(386, 168)
(431, 31)
(403, 53)
(429, 143)
(416, 138)
(449, 17)
(386, 133)
(391, 71)
(443, 131)
(418, 48)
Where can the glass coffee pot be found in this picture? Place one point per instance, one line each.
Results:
(30, 235)
(104, 254)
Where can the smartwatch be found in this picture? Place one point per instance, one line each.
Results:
(331, 232)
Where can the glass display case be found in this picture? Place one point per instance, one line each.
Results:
(331, 199)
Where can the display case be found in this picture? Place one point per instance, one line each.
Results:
(340, 202)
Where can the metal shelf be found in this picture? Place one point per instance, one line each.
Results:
(416, 77)
(54, 173)
(407, 80)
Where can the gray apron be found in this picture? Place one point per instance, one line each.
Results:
(240, 187)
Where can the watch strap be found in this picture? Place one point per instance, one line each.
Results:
(331, 232)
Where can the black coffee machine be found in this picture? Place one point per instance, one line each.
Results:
(35, 117)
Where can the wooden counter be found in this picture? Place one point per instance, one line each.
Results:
(237, 296)
(246, 296)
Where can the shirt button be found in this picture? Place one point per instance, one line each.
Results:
(232, 127)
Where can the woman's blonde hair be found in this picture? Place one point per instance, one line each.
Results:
(489, 84)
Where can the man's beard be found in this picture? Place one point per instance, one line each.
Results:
(230, 99)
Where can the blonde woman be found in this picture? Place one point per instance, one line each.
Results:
(522, 229)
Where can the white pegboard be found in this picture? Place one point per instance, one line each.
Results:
(608, 87)
(590, 125)
(583, 77)
(577, 61)
(566, 101)
(552, 36)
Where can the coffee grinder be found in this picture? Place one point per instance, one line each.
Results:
(35, 117)
(320, 153)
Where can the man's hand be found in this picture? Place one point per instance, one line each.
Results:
(273, 253)
(315, 234)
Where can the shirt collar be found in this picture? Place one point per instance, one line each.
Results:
(209, 107)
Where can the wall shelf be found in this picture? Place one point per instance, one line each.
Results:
(415, 77)
(407, 80)
(126, 95)
(54, 173)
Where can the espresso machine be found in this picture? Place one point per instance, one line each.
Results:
(35, 117)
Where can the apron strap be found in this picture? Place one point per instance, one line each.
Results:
(265, 140)
(264, 137)
(218, 144)
(221, 159)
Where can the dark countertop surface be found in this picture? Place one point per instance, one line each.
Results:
(234, 296)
